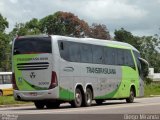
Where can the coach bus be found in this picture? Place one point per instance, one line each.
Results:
(50, 70)
(5, 83)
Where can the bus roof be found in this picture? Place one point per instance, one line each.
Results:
(95, 41)
(102, 42)
(5, 73)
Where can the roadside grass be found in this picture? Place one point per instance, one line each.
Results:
(152, 89)
(8, 100)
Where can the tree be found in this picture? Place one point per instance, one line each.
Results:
(4, 52)
(149, 51)
(99, 31)
(4, 45)
(64, 23)
(33, 27)
(3, 23)
(123, 35)
(61, 23)
(29, 28)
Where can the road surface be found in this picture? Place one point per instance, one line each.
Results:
(118, 109)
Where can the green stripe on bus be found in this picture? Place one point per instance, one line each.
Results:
(65, 94)
(23, 84)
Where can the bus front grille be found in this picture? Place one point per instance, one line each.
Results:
(33, 66)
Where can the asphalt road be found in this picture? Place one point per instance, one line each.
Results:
(140, 109)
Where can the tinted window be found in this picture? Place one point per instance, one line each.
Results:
(116, 56)
(74, 52)
(129, 59)
(86, 53)
(120, 57)
(1, 80)
(64, 49)
(110, 55)
(32, 45)
(107, 55)
(98, 57)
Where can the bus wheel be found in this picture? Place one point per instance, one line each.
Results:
(51, 105)
(39, 104)
(88, 97)
(99, 102)
(130, 99)
(77, 102)
(1, 93)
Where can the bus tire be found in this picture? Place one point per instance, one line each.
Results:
(39, 104)
(88, 97)
(51, 105)
(99, 101)
(130, 99)
(1, 93)
(77, 102)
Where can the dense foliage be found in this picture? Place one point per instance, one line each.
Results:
(4, 45)
(66, 23)
(61, 23)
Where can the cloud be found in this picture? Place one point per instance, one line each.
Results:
(13, 1)
(113, 9)
(1, 7)
(158, 1)
(138, 16)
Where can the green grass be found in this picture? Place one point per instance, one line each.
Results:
(152, 89)
(8, 100)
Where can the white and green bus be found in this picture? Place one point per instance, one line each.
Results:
(50, 70)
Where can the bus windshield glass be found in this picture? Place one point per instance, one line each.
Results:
(32, 45)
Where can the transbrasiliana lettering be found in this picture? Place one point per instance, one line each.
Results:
(101, 70)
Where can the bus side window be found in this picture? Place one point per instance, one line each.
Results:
(98, 57)
(120, 57)
(63, 49)
(106, 56)
(109, 54)
(61, 46)
(1, 81)
(129, 59)
(74, 52)
(7, 79)
(115, 55)
(86, 53)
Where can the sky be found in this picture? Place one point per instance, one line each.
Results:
(140, 17)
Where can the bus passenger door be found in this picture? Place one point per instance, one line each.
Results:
(65, 72)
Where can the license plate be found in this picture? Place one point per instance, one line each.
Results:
(33, 94)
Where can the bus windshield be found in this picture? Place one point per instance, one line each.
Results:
(32, 45)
